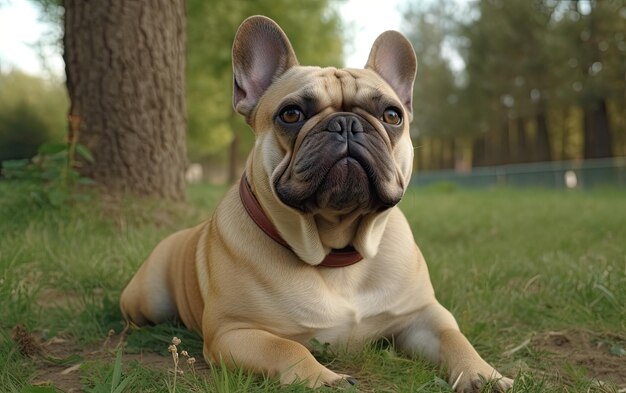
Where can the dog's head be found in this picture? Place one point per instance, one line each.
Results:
(333, 151)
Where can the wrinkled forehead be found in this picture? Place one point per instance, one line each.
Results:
(339, 89)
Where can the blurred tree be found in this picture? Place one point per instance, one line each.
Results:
(32, 111)
(22, 130)
(508, 66)
(436, 95)
(541, 79)
(593, 35)
(125, 64)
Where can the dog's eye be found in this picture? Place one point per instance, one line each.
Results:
(392, 116)
(291, 114)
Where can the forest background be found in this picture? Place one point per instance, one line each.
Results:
(499, 82)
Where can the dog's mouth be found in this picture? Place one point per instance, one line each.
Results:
(342, 165)
(346, 186)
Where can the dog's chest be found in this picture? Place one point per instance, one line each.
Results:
(346, 313)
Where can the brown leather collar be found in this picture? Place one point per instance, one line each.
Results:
(337, 258)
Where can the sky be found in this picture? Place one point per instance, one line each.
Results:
(365, 20)
(21, 28)
(20, 31)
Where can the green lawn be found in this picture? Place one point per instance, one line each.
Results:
(535, 278)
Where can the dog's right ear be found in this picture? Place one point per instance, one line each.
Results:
(261, 53)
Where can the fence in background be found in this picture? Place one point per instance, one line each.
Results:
(555, 174)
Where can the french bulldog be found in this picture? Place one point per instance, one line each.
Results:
(310, 244)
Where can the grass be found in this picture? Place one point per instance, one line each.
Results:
(512, 265)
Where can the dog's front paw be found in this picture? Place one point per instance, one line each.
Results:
(345, 382)
(473, 382)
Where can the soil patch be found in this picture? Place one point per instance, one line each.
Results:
(57, 364)
(601, 356)
(59, 359)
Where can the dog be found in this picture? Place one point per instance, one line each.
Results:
(310, 244)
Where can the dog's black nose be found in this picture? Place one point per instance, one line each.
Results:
(345, 123)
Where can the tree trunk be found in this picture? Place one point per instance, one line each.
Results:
(478, 151)
(596, 128)
(451, 152)
(521, 149)
(492, 148)
(597, 137)
(439, 153)
(542, 140)
(564, 133)
(504, 152)
(125, 67)
(446, 152)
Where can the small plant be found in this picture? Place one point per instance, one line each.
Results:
(55, 168)
(320, 350)
(113, 382)
(191, 361)
(173, 349)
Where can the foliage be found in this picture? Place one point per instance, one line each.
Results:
(518, 81)
(113, 381)
(32, 111)
(21, 131)
(436, 93)
(14, 367)
(55, 169)
(32, 116)
(157, 338)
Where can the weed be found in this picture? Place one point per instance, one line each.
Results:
(173, 349)
(15, 368)
(190, 361)
(55, 168)
(113, 382)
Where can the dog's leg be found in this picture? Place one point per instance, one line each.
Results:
(435, 335)
(262, 352)
(147, 297)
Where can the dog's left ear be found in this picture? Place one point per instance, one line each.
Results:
(261, 53)
(393, 58)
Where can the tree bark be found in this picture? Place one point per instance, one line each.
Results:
(125, 67)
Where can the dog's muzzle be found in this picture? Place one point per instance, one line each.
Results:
(342, 164)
